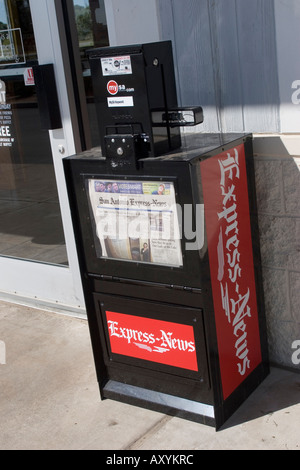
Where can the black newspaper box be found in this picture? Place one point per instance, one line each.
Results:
(167, 239)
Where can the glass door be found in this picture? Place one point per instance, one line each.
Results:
(31, 225)
(37, 250)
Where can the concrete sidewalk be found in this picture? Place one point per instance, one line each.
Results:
(49, 399)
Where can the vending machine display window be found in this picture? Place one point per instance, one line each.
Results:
(135, 220)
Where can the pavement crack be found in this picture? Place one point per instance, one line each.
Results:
(138, 443)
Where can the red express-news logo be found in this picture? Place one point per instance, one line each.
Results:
(227, 217)
(153, 340)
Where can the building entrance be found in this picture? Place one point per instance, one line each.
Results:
(38, 259)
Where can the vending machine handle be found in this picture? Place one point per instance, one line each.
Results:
(47, 97)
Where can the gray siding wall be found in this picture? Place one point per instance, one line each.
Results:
(225, 54)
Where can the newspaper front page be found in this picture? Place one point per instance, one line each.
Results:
(136, 220)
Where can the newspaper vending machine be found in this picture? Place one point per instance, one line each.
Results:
(167, 239)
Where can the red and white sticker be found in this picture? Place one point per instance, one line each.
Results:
(112, 87)
(29, 77)
(158, 341)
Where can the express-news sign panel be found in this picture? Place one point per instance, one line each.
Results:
(153, 340)
(227, 217)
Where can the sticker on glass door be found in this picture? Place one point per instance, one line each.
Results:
(6, 137)
(11, 47)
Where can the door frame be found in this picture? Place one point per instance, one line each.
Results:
(33, 283)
